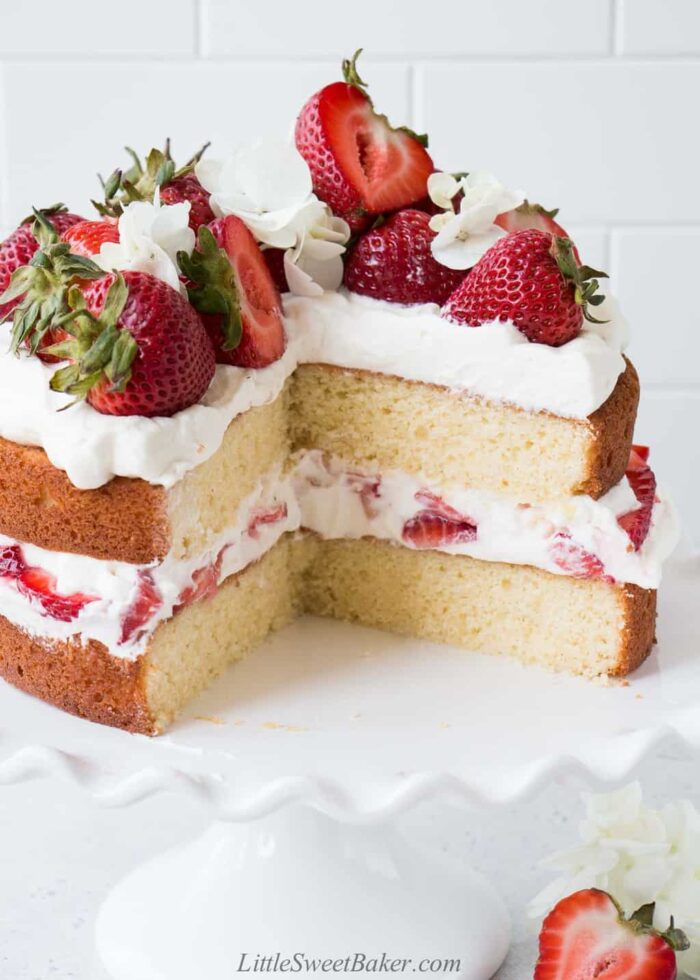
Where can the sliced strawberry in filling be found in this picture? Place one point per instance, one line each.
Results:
(438, 525)
(40, 586)
(572, 558)
(147, 602)
(263, 516)
(205, 581)
(643, 482)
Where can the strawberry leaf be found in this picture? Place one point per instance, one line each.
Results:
(214, 288)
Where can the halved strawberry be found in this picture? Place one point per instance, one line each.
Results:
(38, 584)
(586, 936)
(231, 286)
(573, 559)
(437, 525)
(87, 237)
(265, 515)
(643, 482)
(146, 603)
(360, 165)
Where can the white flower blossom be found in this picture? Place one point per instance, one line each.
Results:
(150, 236)
(268, 186)
(463, 237)
(638, 855)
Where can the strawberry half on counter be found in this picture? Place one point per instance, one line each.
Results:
(230, 284)
(532, 280)
(587, 937)
(360, 164)
(393, 262)
(158, 172)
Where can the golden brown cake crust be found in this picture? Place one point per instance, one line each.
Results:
(639, 633)
(613, 426)
(81, 678)
(124, 520)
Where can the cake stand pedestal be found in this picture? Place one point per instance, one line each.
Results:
(299, 886)
(304, 754)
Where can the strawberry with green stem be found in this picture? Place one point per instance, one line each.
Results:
(19, 247)
(135, 347)
(231, 286)
(175, 185)
(360, 165)
(532, 280)
(587, 937)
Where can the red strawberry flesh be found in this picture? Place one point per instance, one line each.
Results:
(585, 938)
(144, 606)
(438, 525)
(263, 340)
(643, 482)
(40, 586)
(359, 165)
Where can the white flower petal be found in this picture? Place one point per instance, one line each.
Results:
(300, 282)
(150, 236)
(442, 188)
(458, 253)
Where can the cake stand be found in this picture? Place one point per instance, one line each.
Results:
(305, 753)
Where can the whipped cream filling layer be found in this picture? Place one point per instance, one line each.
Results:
(494, 361)
(57, 595)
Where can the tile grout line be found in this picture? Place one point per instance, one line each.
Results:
(617, 25)
(197, 14)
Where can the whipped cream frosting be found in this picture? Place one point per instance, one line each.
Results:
(321, 495)
(494, 361)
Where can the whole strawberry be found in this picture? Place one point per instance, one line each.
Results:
(87, 237)
(530, 279)
(393, 262)
(232, 287)
(142, 351)
(360, 165)
(586, 936)
(187, 188)
(17, 250)
(158, 172)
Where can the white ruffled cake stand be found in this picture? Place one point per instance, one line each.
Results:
(306, 751)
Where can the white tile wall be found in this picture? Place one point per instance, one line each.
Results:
(586, 106)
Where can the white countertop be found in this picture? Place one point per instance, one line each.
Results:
(60, 853)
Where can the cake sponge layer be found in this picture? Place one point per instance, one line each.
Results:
(378, 422)
(451, 438)
(184, 656)
(581, 626)
(131, 520)
(587, 627)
